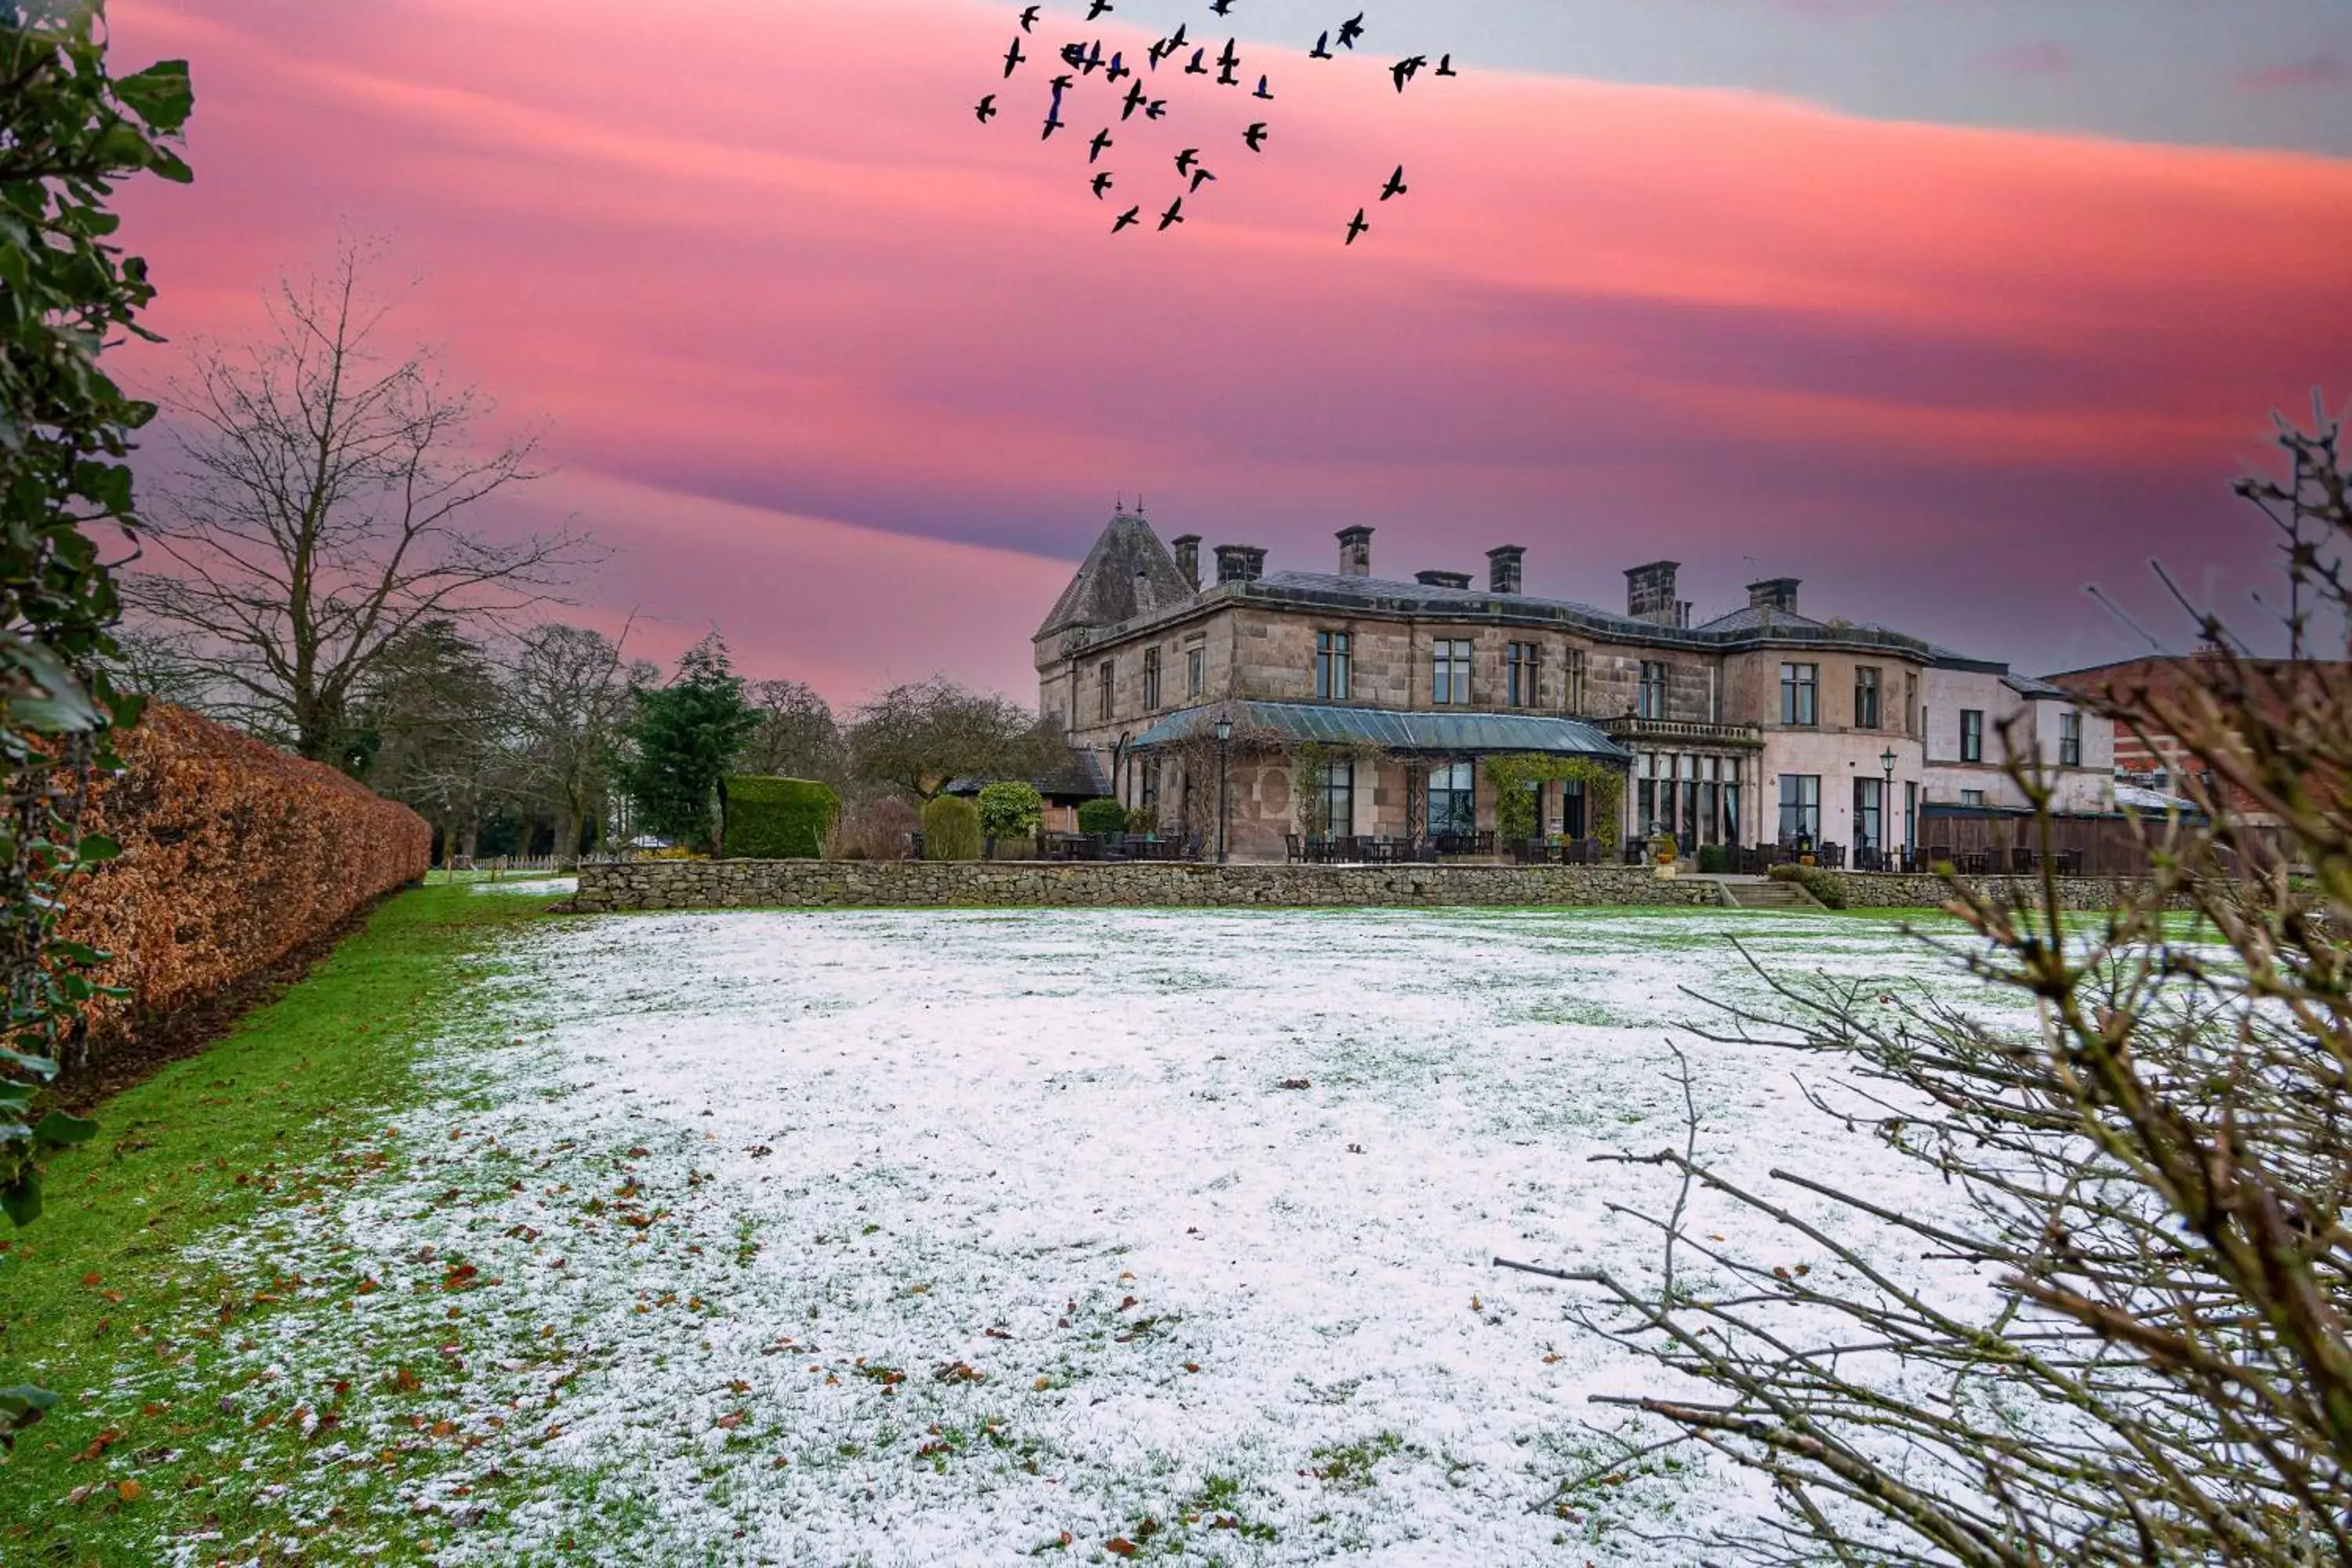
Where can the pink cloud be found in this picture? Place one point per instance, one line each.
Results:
(2320, 70)
(774, 284)
(2036, 57)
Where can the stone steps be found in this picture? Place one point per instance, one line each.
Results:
(1766, 894)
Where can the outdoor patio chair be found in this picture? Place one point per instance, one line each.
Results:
(1939, 855)
(1293, 851)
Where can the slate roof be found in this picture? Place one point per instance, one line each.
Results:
(1437, 733)
(1129, 572)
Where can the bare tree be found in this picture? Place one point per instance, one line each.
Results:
(2127, 1341)
(795, 736)
(328, 507)
(919, 736)
(570, 692)
(431, 726)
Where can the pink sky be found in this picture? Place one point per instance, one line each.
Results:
(835, 368)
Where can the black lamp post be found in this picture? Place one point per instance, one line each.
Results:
(1225, 744)
(1886, 803)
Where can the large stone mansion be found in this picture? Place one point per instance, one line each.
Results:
(1760, 726)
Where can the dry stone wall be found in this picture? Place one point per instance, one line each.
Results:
(903, 884)
(1892, 891)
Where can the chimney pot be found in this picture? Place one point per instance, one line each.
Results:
(1504, 564)
(1240, 563)
(1774, 593)
(1356, 552)
(1443, 579)
(1188, 558)
(1649, 593)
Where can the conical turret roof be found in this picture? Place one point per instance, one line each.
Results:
(1129, 572)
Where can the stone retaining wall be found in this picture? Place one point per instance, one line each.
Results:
(1897, 890)
(901, 884)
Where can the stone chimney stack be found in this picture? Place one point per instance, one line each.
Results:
(1650, 595)
(1356, 552)
(1443, 579)
(1503, 568)
(1240, 563)
(1188, 557)
(1774, 593)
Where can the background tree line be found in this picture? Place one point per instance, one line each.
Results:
(329, 574)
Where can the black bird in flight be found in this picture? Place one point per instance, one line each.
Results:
(1174, 215)
(1117, 68)
(1130, 216)
(1256, 136)
(1158, 52)
(1322, 49)
(1095, 148)
(1054, 111)
(987, 108)
(1350, 30)
(1060, 84)
(1185, 159)
(1263, 91)
(1226, 64)
(1028, 18)
(1074, 54)
(1404, 70)
(1093, 59)
(1176, 38)
(1134, 100)
(1221, 6)
(1102, 183)
(1196, 67)
(1014, 57)
(1097, 8)
(1396, 185)
(1155, 109)
(1445, 66)
(1199, 175)
(1357, 225)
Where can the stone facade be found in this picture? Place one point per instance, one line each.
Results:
(953, 884)
(1137, 640)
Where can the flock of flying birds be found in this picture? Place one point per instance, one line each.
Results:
(1083, 60)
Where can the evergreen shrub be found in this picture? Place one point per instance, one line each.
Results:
(950, 829)
(778, 819)
(1103, 816)
(1010, 809)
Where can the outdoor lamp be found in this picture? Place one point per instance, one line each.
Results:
(1225, 728)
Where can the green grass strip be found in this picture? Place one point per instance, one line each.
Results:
(156, 1439)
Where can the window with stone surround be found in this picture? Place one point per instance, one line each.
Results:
(1652, 691)
(1196, 657)
(1972, 734)
(1800, 808)
(1865, 697)
(1331, 667)
(1449, 672)
(1106, 678)
(1524, 664)
(1453, 797)
(1801, 687)
(2070, 739)
(1574, 695)
(1151, 680)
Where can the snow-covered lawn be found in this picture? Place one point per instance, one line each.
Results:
(909, 1237)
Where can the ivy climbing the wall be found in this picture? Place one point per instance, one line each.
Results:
(1515, 807)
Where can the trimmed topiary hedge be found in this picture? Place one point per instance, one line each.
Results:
(1103, 816)
(777, 819)
(233, 854)
(950, 829)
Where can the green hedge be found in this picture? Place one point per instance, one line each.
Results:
(1824, 886)
(1103, 816)
(950, 829)
(778, 819)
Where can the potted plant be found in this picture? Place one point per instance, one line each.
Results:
(1663, 852)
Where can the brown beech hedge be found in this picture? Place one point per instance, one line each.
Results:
(233, 854)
